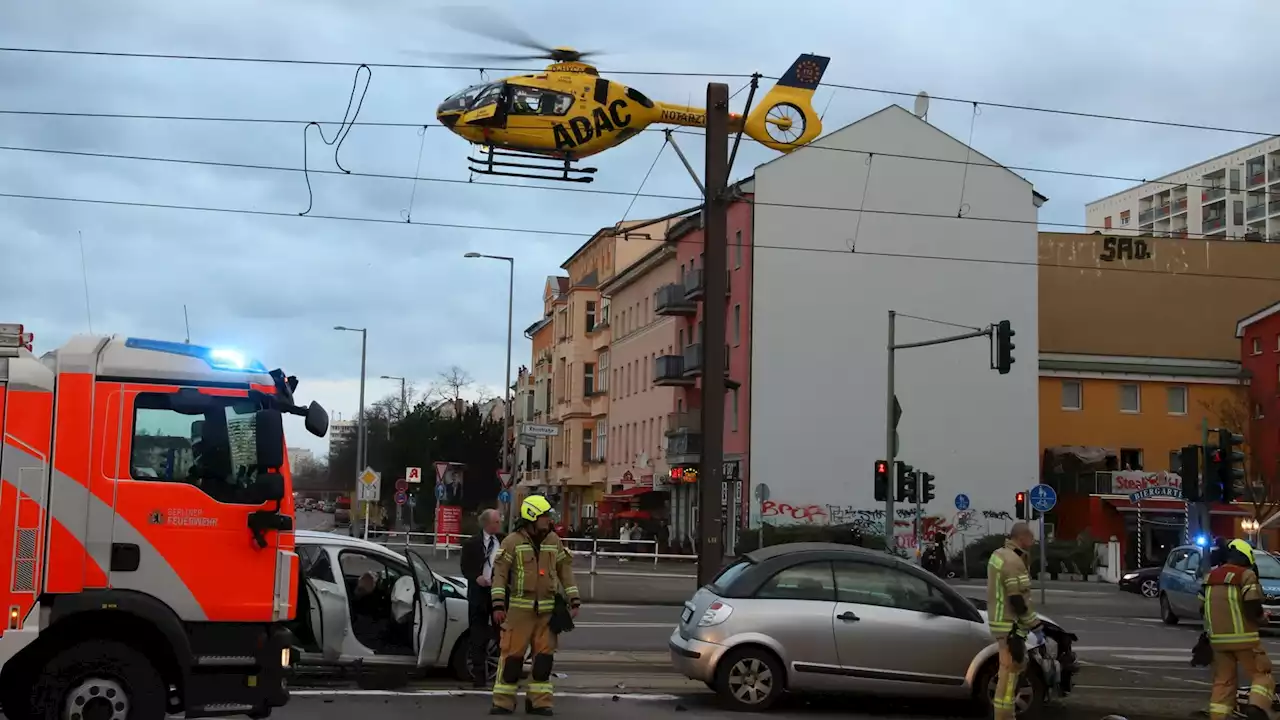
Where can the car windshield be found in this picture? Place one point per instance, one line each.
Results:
(1268, 566)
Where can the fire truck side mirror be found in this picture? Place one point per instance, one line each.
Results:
(317, 421)
(269, 437)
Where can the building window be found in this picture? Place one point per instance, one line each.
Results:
(1106, 222)
(591, 316)
(1130, 459)
(1130, 398)
(602, 368)
(1177, 398)
(733, 410)
(588, 379)
(1257, 346)
(737, 325)
(602, 442)
(737, 250)
(680, 336)
(1072, 395)
(586, 445)
(1124, 218)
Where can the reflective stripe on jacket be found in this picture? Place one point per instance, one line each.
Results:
(1007, 577)
(1229, 626)
(525, 574)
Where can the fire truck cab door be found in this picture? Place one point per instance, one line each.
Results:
(186, 487)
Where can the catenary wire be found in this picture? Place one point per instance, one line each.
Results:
(696, 133)
(578, 234)
(841, 86)
(592, 191)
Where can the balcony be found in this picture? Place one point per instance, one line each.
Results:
(1274, 173)
(1256, 212)
(684, 448)
(1255, 176)
(1212, 224)
(668, 370)
(1213, 194)
(695, 287)
(670, 300)
(1180, 205)
(1273, 207)
(684, 423)
(1163, 211)
(693, 360)
(1146, 216)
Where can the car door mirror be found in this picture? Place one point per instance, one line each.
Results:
(317, 420)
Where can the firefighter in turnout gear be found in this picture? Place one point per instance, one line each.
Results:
(1232, 611)
(531, 563)
(1009, 614)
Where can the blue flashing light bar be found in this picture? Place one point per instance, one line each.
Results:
(1202, 540)
(217, 358)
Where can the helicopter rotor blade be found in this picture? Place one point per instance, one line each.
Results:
(487, 23)
(473, 57)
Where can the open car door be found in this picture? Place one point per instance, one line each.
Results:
(430, 616)
(328, 616)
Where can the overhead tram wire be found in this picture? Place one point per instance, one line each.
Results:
(430, 125)
(579, 234)
(598, 191)
(841, 86)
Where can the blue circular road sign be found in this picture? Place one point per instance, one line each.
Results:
(439, 492)
(962, 502)
(401, 497)
(504, 496)
(1043, 498)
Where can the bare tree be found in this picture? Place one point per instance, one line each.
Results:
(1239, 414)
(452, 383)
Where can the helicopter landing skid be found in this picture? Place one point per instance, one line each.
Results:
(492, 161)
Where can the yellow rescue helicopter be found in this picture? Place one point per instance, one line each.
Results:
(539, 125)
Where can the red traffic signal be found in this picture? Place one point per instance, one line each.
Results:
(1022, 497)
(1020, 507)
(882, 467)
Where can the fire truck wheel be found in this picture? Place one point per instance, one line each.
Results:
(100, 680)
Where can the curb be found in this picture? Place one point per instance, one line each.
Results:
(641, 602)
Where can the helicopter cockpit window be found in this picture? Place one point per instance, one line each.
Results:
(534, 101)
(461, 99)
(487, 95)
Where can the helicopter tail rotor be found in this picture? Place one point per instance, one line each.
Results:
(784, 119)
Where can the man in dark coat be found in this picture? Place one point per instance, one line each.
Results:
(478, 554)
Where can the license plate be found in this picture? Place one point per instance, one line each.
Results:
(684, 616)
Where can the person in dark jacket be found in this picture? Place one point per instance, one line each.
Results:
(478, 554)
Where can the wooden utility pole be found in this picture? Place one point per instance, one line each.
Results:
(715, 267)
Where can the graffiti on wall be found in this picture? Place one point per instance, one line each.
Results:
(872, 521)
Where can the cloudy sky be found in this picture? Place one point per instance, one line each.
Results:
(275, 286)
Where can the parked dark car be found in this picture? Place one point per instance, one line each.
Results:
(1144, 581)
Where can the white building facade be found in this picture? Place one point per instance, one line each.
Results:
(824, 281)
(1232, 196)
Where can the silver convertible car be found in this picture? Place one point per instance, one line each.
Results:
(361, 604)
(817, 617)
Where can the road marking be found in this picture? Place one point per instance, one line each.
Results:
(1157, 658)
(1130, 688)
(667, 625)
(1110, 648)
(484, 693)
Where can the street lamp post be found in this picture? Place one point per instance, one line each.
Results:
(506, 386)
(361, 459)
(404, 399)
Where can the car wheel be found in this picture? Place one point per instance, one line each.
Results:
(460, 663)
(100, 678)
(749, 678)
(1028, 701)
(1166, 612)
(1150, 588)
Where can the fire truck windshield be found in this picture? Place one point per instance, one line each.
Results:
(211, 444)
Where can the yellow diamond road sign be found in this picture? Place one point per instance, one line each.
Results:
(368, 477)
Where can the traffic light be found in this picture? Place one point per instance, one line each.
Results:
(906, 482)
(926, 487)
(1021, 506)
(1230, 462)
(882, 480)
(1004, 346)
(1190, 472)
(1211, 488)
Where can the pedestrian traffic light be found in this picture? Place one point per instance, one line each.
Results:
(1020, 506)
(882, 480)
(1190, 472)
(926, 487)
(906, 482)
(1211, 488)
(1004, 346)
(1231, 463)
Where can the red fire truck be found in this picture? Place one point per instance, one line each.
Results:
(147, 560)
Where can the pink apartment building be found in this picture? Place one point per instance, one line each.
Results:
(638, 409)
(681, 369)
